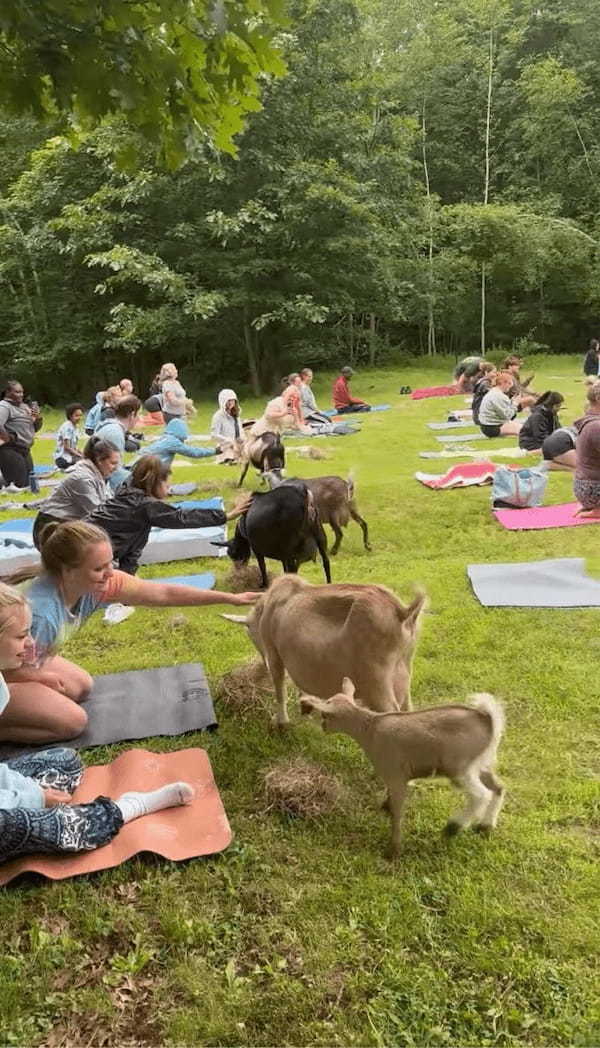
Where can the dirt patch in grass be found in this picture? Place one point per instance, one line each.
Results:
(300, 788)
(245, 688)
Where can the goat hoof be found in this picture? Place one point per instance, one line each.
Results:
(279, 725)
(392, 852)
(451, 829)
(369, 549)
(483, 828)
(385, 804)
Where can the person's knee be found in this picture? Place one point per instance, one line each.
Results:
(78, 684)
(71, 722)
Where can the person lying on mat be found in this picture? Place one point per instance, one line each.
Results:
(497, 412)
(137, 507)
(173, 442)
(36, 781)
(343, 402)
(66, 453)
(76, 578)
(558, 450)
(84, 488)
(586, 484)
(542, 421)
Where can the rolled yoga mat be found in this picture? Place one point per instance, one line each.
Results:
(186, 832)
(462, 424)
(455, 438)
(560, 583)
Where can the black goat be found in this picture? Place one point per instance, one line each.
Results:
(265, 453)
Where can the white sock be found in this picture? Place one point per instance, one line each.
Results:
(135, 804)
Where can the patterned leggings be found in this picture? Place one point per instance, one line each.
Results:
(65, 827)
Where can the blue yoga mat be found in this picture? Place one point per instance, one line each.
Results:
(40, 470)
(22, 526)
(380, 407)
(214, 503)
(202, 582)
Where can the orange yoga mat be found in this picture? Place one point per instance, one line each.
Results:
(199, 828)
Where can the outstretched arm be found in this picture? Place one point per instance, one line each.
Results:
(145, 593)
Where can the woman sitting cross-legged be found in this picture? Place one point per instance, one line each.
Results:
(77, 577)
(137, 507)
(496, 411)
(35, 782)
(542, 421)
(586, 485)
(84, 488)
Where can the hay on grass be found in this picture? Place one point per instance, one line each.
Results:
(300, 789)
(246, 688)
(310, 452)
(245, 578)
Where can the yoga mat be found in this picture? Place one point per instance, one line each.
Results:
(182, 489)
(560, 583)
(468, 452)
(379, 407)
(40, 471)
(464, 476)
(434, 391)
(541, 517)
(450, 425)
(139, 704)
(213, 503)
(199, 828)
(456, 438)
(203, 582)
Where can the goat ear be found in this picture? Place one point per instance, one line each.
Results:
(348, 687)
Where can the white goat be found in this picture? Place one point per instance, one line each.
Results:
(458, 741)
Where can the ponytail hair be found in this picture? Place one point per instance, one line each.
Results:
(148, 472)
(97, 450)
(550, 399)
(65, 545)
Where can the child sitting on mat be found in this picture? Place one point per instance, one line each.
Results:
(76, 578)
(36, 811)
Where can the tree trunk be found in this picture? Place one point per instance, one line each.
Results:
(372, 352)
(431, 346)
(486, 186)
(251, 355)
(351, 336)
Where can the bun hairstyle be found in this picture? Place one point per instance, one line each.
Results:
(148, 472)
(10, 598)
(97, 450)
(128, 405)
(65, 545)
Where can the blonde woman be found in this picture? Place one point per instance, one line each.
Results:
(36, 813)
(174, 399)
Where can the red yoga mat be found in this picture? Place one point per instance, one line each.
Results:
(540, 517)
(465, 475)
(435, 391)
(199, 828)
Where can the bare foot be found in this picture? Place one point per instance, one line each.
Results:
(595, 512)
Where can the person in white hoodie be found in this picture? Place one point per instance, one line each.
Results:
(37, 813)
(226, 427)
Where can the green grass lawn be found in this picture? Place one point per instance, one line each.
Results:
(302, 933)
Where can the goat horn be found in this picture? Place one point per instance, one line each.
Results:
(242, 619)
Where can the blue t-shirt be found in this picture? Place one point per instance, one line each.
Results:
(51, 621)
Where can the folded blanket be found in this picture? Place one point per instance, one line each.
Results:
(434, 391)
(463, 476)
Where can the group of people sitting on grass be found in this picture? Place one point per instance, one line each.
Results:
(499, 395)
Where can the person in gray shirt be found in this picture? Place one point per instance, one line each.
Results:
(84, 488)
(19, 423)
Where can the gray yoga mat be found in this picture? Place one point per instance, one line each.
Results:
(461, 424)
(139, 704)
(560, 583)
(453, 438)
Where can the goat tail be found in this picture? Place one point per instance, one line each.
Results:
(350, 485)
(494, 709)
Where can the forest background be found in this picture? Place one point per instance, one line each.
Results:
(423, 179)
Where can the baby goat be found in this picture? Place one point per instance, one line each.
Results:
(459, 742)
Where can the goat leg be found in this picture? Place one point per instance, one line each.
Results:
(244, 471)
(365, 529)
(337, 531)
(262, 567)
(396, 799)
(277, 672)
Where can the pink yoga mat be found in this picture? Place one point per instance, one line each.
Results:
(435, 391)
(465, 475)
(199, 828)
(562, 516)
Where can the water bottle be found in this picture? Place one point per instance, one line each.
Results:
(34, 487)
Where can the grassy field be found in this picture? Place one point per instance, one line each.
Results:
(302, 933)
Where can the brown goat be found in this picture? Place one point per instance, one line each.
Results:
(335, 502)
(458, 741)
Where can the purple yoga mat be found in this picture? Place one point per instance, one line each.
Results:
(562, 516)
